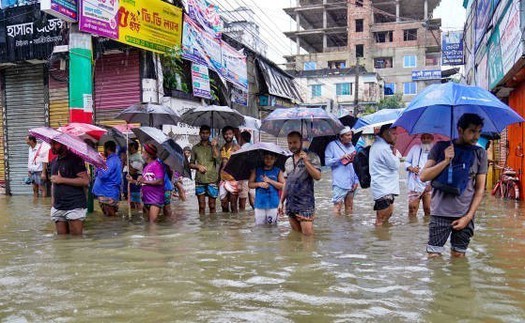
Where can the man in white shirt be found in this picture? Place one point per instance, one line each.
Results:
(384, 173)
(418, 190)
(34, 167)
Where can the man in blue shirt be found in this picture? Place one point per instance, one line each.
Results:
(107, 182)
(339, 155)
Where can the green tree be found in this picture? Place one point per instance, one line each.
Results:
(391, 102)
(173, 71)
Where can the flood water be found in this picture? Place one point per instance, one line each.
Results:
(223, 269)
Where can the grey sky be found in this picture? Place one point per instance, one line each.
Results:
(273, 21)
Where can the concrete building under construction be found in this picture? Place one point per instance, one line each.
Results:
(397, 39)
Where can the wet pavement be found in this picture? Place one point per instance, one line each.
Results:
(224, 269)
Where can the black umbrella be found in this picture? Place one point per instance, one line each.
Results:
(318, 144)
(152, 114)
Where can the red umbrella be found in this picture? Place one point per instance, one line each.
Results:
(84, 131)
(74, 144)
(405, 141)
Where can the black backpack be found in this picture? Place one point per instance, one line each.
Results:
(362, 168)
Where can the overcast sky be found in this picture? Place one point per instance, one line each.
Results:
(273, 21)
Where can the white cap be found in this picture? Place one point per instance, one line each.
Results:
(345, 130)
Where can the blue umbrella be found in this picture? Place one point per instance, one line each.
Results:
(378, 118)
(310, 122)
(438, 107)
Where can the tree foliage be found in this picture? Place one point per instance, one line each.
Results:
(391, 102)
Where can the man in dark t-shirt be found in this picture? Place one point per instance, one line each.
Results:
(69, 177)
(453, 214)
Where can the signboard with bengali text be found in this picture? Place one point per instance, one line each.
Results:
(66, 10)
(99, 17)
(200, 81)
(426, 75)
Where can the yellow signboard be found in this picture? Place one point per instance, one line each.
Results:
(150, 24)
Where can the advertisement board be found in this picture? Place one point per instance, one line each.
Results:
(200, 47)
(200, 81)
(234, 67)
(66, 10)
(99, 18)
(452, 48)
(426, 75)
(207, 16)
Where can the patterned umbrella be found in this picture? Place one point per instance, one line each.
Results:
(310, 122)
(83, 131)
(152, 114)
(167, 150)
(74, 144)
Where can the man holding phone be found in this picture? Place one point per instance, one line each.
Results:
(339, 155)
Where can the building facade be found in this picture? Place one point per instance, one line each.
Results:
(395, 39)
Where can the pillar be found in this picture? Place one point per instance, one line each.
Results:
(397, 11)
(425, 6)
(80, 76)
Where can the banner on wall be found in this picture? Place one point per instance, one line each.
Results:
(483, 15)
(200, 81)
(234, 67)
(99, 18)
(452, 48)
(200, 47)
(66, 10)
(422, 75)
(24, 38)
(207, 16)
(152, 25)
(494, 62)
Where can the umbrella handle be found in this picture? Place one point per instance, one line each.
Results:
(127, 164)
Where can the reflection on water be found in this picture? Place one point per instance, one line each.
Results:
(222, 268)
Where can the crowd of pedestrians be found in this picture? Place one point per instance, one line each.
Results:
(449, 198)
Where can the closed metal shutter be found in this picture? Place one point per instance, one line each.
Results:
(2, 146)
(58, 97)
(25, 108)
(117, 85)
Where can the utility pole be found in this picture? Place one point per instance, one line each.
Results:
(356, 93)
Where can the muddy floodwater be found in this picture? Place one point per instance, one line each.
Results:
(222, 268)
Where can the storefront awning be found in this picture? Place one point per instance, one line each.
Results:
(279, 83)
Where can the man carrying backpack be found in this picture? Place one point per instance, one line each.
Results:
(457, 194)
(384, 173)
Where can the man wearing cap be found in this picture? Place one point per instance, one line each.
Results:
(384, 173)
(339, 155)
(204, 159)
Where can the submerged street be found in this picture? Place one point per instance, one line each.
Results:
(222, 268)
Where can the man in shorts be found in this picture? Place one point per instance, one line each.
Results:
(339, 155)
(384, 173)
(69, 178)
(228, 187)
(453, 215)
(418, 190)
(35, 171)
(108, 181)
(301, 169)
(204, 159)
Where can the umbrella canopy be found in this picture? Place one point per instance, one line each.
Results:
(405, 141)
(310, 122)
(367, 123)
(167, 149)
(152, 114)
(319, 144)
(438, 107)
(84, 131)
(214, 116)
(251, 123)
(244, 160)
(113, 134)
(74, 144)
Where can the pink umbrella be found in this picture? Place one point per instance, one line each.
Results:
(405, 141)
(75, 145)
(84, 131)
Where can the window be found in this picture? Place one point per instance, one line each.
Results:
(409, 34)
(359, 50)
(432, 59)
(336, 64)
(316, 90)
(390, 88)
(383, 36)
(383, 62)
(409, 61)
(359, 25)
(309, 66)
(343, 89)
(410, 88)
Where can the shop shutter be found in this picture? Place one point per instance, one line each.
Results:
(58, 97)
(25, 108)
(2, 164)
(117, 85)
